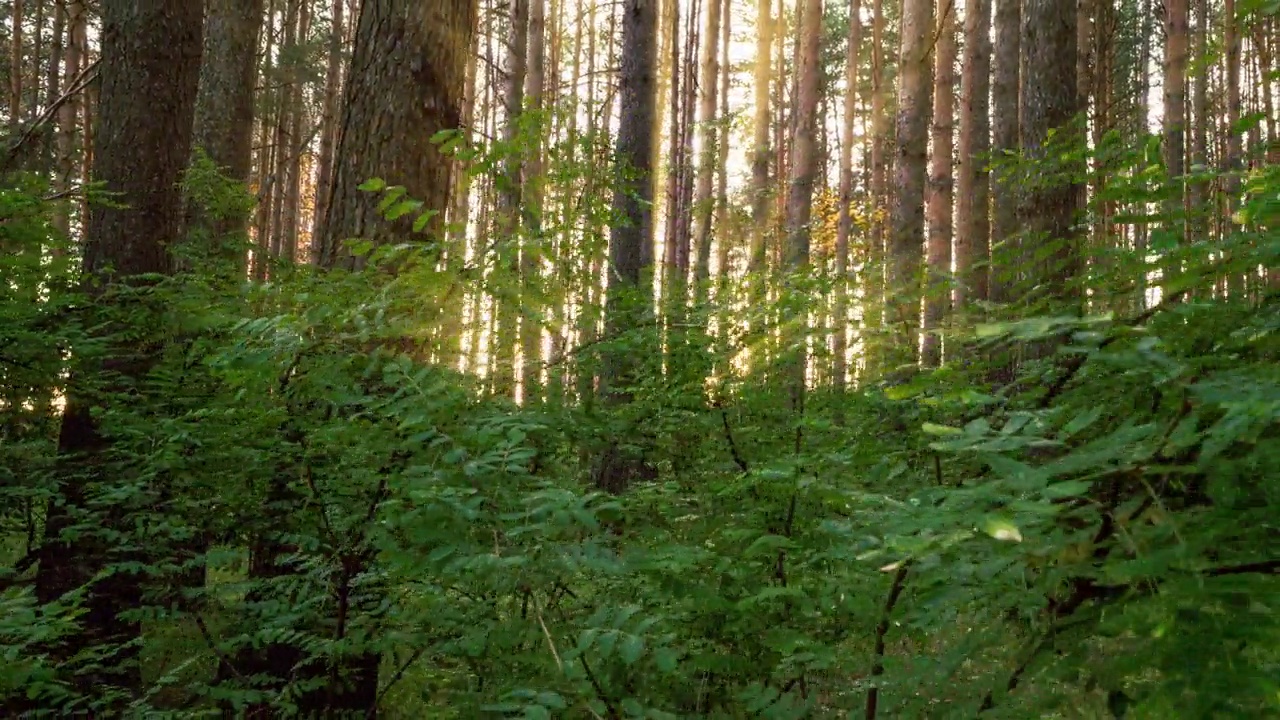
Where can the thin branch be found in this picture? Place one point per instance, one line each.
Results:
(877, 668)
(208, 638)
(81, 81)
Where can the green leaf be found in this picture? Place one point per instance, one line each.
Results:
(1001, 529)
(375, 184)
(630, 649)
(552, 700)
(666, 659)
(935, 429)
(402, 208)
(420, 223)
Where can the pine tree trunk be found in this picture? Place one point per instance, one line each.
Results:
(390, 117)
(225, 112)
(973, 224)
(16, 67)
(1175, 110)
(1234, 155)
(877, 267)
(703, 202)
(631, 243)
(1005, 143)
(329, 118)
(907, 216)
(760, 152)
(1049, 103)
(804, 170)
(151, 56)
(844, 228)
(937, 301)
(531, 246)
(510, 194)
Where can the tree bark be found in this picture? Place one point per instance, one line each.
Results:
(150, 68)
(760, 152)
(937, 301)
(411, 61)
(1175, 109)
(16, 69)
(510, 195)
(1005, 145)
(973, 220)
(531, 244)
(907, 216)
(703, 202)
(1049, 103)
(225, 110)
(629, 296)
(844, 227)
(804, 170)
(329, 118)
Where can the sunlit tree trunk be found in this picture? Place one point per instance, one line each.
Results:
(1175, 107)
(973, 224)
(760, 150)
(267, 151)
(1004, 141)
(510, 195)
(938, 198)
(844, 228)
(906, 237)
(703, 201)
(723, 240)
(630, 298)
(329, 117)
(531, 244)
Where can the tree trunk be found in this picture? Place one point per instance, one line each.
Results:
(937, 301)
(760, 152)
(510, 194)
(722, 155)
(973, 225)
(881, 128)
(907, 217)
(709, 99)
(329, 118)
(151, 59)
(844, 228)
(1235, 152)
(531, 246)
(1049, 103)
(804, 169)
(1175, 110)
(15, 70)
(629, 299)
(1005, 144)
(411, 59)
(1200, 123)
(225, 110)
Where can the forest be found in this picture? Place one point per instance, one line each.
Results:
(621, 359)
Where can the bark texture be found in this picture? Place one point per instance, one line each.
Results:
(409, 67)
(1049, 102)
(907, 216)
(937, 301)
(150, 68)
(629, 296)
(973, 220)
(225, 108)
